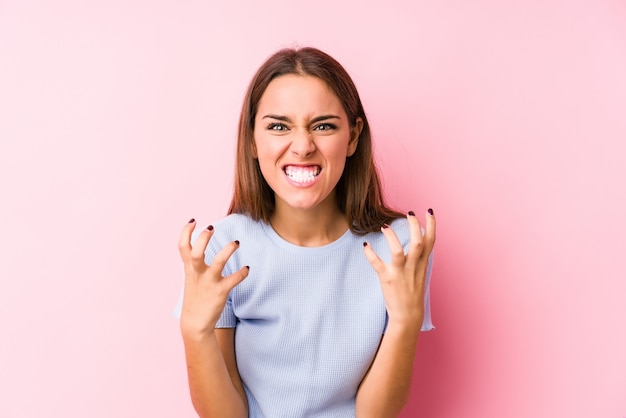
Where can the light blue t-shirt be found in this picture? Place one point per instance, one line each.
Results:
(308, 319)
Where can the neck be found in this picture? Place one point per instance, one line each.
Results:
(309, 227)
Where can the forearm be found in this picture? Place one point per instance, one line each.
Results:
(385, 389)
(212, 390)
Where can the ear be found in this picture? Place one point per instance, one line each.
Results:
(355, 133)
(253, 149)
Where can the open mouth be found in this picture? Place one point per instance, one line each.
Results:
(302, 174)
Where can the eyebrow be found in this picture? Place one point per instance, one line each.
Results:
(314, 120)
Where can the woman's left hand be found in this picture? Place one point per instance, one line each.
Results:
(403, 279)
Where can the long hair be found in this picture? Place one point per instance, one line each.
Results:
(359, 192)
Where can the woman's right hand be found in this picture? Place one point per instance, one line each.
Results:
(205, 290)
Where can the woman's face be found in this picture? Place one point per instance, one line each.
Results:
(302, 138)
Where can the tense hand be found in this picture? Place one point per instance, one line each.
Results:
(403, 279)
(206, 290)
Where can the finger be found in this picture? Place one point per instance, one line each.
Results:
(416, 243)
(220, 259)
(184, 241)
(198, 249)
(237, 277)
(372, 257)
(395, 247)
(429, 234)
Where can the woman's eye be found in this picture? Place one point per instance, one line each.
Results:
(277, 127)
(325, 127)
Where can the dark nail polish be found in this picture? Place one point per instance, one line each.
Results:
(210, 227)
(431, 211)
(248, 267)
(237, 241)
(364, 244)
(385, 226)
(192, 220)
(411, 213)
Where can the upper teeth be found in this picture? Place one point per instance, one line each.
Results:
(302, 174)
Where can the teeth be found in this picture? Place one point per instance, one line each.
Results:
(302, 174)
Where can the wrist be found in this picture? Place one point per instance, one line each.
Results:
(195, 332)
(406, 317)
(406, 326)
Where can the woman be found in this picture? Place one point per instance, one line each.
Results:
(308, 299)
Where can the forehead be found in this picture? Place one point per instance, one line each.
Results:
(298, 93)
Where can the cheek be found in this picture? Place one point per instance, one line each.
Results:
(267, 157)
(263, 153)
(270, 148)
(341, 150)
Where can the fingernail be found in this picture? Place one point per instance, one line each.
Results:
(192, 220)
(431, 212)
(210, 227)
(364, 244)
(248, 267)
(385, 226)
(237, 241)
(411, 213)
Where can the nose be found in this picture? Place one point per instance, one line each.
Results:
(303, 145)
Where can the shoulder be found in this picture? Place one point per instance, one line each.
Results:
(400, 225)
(379, 243)
(237, 227)
(237, 221)
(232, 227)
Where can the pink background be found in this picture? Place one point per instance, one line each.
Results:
(117, 124)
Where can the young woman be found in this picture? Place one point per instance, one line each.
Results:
(307, 300)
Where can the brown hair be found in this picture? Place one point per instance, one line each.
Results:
(359, 192)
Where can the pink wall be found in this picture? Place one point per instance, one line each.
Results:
(117, 123)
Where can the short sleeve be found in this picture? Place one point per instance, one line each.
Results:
(179, 306)
(427, 324)
(228, 318)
